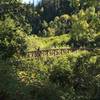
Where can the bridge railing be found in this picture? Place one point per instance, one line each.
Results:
(54, 52)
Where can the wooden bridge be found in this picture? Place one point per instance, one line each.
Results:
(54, 52)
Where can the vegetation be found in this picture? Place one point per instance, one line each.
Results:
(75, 75)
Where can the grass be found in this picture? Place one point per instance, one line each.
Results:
(35, 42)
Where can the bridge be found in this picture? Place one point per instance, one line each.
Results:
(54, 52)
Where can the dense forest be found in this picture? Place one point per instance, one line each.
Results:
(50, 25)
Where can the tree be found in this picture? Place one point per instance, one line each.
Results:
(84, 4)
(20, 13)
(85, 27)
(60, 25)
(53, 8)
(9, 1)
(12, 38)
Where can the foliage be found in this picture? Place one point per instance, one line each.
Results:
(35, 42)
(72, 76)
(75, 75)
(52, 8)
(59, 26)
(85, 28)
(9, 1)
(12, 38)
(18, 13)
(84, 4)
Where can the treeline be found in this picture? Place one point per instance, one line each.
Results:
(32, 17)
(45, 10)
